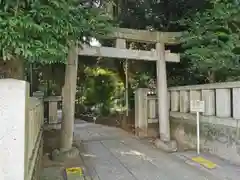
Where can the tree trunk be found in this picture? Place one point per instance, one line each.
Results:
(69, 93)
(13, 68)
(35, 80)
(211, 77)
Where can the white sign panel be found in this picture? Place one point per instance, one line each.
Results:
(197, 106)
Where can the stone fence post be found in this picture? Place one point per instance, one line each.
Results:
(141, 112)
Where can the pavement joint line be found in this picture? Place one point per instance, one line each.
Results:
(119, 161)
(88, 167)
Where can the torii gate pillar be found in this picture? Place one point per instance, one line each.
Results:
(162, 94)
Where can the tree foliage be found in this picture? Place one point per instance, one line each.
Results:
(100, 88)
(213, 38)
(160, 15)
(43, 29)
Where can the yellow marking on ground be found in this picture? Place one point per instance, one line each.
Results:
(204, 162)
(74, 170)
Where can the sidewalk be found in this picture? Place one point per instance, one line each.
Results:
(223, 170)
(113, 154)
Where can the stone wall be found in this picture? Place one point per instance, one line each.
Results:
(38, 164)
(219, 122)
(218, 139)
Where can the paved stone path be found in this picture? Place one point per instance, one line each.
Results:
(112, 154)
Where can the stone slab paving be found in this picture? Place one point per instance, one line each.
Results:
(113, 154)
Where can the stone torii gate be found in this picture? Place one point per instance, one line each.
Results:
(121, 35)
(159, 55)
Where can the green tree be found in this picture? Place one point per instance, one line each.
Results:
(48, 31)
(203, 22)
(100, 88)
(42, 30)
(212, 40)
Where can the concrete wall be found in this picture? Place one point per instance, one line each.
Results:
(13, 110)
(21, 119)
